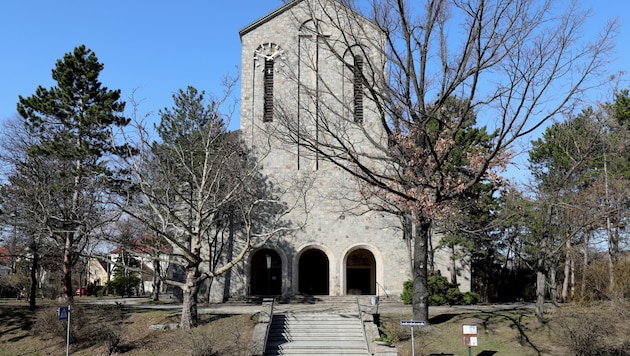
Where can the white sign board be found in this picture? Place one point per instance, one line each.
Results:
(412, 323)
(470, 329)
(470, 335)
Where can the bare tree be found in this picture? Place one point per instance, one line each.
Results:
(511, 66)
(199, 191)
(27, 198)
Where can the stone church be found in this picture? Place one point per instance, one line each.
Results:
(294, 72)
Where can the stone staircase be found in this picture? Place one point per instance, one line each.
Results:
(316, 333)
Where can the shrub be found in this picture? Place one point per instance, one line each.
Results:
(103, 324)
(407, 294)
(471, 298)
(441, 292)
(588, 333)
(200, 343)
(47, 324)
(93, 289)
(123, 285)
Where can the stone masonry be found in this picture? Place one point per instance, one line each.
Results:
(338, 247)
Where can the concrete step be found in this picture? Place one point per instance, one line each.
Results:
(315, 352)
(315, 338)
(295, 335)
(316, 316)
(315, 334)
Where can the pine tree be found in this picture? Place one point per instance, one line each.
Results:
(72, 122)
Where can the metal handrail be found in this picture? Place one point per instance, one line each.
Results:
(363, 326)
(273, 302)
(383, 288)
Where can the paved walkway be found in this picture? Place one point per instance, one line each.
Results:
(385, 306)
(325, 305)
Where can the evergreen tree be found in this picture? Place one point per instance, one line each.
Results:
(72, 122)
(561, 163)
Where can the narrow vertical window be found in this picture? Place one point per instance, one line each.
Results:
(268, 94)
(358, 89)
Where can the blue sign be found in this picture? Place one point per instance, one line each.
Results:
(63, 313)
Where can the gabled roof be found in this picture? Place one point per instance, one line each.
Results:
(145, 245)
(278, 12)
(268, 17)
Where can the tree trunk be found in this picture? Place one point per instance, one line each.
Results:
(611, 240)
(157, 285)
(67, 268)
(34, 268)
(189, 303)
(157, 280)
(541, 280)
(453, 266)
(572, 283)
(229, 255)
(540, 295)
(584, 266)
(408, 235)
(567, 271)
(420, 271)
(553, 285)
(541, 267)
(612, 257)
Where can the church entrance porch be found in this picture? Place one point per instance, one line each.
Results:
(266, 273)
(313, 273)
(360, 272)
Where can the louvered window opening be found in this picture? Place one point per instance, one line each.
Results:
(268, 95)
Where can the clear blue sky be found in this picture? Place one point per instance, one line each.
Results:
(158, 47)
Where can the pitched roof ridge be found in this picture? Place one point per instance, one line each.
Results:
(281, 10)
(268, 17)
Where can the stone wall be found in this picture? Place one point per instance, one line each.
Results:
(330, 218)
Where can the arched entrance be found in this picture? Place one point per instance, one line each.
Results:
(266, 273)
(361, 272)
(313, 273)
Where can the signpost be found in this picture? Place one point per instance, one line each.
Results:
(64, 314)
(470, 336)
(412, 323)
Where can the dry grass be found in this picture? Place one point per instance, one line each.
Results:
(228, 335)
(602, 329)
(570, 330)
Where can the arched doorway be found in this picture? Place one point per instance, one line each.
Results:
(266, 273)
(361, 272)
(313, 273)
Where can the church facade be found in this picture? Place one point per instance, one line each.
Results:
(299, 69)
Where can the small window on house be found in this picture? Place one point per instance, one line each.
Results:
(358, 89)
(268, 94)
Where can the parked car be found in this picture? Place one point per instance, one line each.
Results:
(80, 291)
